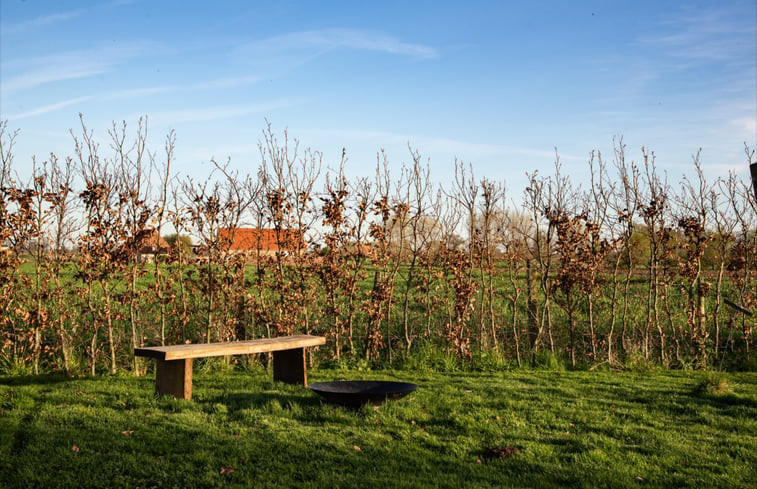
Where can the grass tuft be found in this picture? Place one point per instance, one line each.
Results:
(547, 360)
(713, 384)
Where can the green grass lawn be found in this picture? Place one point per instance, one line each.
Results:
(569, 429)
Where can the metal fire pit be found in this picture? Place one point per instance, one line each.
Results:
(355, 393)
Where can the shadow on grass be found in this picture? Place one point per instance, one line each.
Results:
(22, 380)
(246, 400)
(725, 401)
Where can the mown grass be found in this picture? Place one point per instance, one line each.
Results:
(571, 429)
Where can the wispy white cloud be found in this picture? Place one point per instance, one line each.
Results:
(56, 18)
(50, 108)
(705, 35)
(293, 49)
(690, 79)
(48, 74)
(230, 82)
(474, 150)
(219, 83)
(119, 3)
(33, 72)
(133, 93)
(746, 125)
(137, 92)
(438, 145)
(330, 39)
(219, 112)
(44, 21)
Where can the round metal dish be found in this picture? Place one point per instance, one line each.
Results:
(355, 393)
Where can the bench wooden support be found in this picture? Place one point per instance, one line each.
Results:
(289, 366)
(174, 378)
(173, 373)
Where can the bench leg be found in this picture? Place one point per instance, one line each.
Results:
(289, 366)
(174, 378)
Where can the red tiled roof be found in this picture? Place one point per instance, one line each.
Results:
(248, 239)
(149, 239)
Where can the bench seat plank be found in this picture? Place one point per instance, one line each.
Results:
(200, 350)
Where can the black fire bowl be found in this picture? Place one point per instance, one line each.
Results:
(355, 393)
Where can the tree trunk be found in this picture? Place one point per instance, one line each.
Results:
(534, 331)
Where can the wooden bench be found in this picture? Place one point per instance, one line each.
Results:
(173, 373)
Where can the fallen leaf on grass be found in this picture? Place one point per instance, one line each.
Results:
(227, 470)
(127, 433)
(356, 448)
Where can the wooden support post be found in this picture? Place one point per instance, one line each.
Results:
(289, 366)
(174, 378)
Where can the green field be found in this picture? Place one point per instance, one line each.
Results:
(522, 428)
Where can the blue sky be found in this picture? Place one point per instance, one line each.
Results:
(498, 85)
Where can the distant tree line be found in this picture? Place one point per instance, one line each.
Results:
(628, 269)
